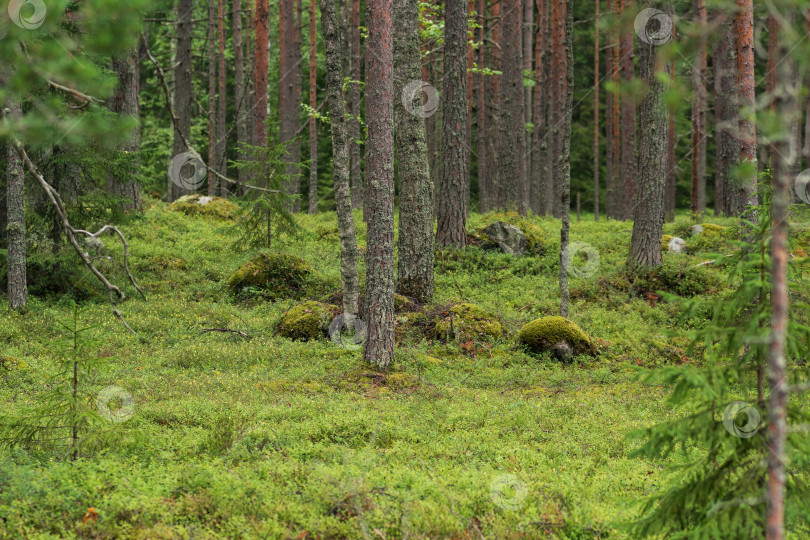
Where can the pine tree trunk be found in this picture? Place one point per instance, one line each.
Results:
(609, 122)
(557, 104)
(626, 192)
(125, 102)
(452, 211)
(528, 35)
(746, 88)
(596, 113)
(239, 87)
(480, 108)
(354, 126)
(288, 78)
(669, 193)
(698, 191)
(493, 136)
(727, 152)
(182, 88)
(340, 156)
(513, 192)
(648, 206)
(222, 162)
(415, 265)
(15, 214)
(379, 349)
(261, 21)
(564, 162)
(616, 122)
(213, 163)
(539, 178)
(313, 103)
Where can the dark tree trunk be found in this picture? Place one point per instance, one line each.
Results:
(609, 122)
(213, 163)
(746, 88)
(354, 126)
(648, 206)
(669, 193)
(182, 88)
(528, 35)
(493, 137)
(261, 20)
(596, 113)
(452, 211)
(513, 192)
(626, 192)
(616, 205)
(556, 105)
(289, 81)
(379, 350)
(480, 108)
(15, 213)
(239, 88)
(222, 105)
(698, 192)
(415, 266)
(125, 102)
(727, 152)
(565, 155)
(313, 103)
(340, 156)
(539, 179)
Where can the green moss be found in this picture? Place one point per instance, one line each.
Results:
(308, 320)
(468, 321)
(9, 363)
(711, 228)
(199, 205)
(536, 237)
(558, 335)
(271, 275)
(665, 239)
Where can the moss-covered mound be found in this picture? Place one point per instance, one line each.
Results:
(9, 363)
(200, 205)
(467, 322)
(535, 236)
(272, 276)
(309, 320)
(558, 335)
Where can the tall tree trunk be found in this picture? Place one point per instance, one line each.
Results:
(513, 134)
(480, 108)
(379, 349)
(609, 121)
(727, 150)
(125, 102)
(698, 192)
(15, 213)
(222, 161)
(493, 136)
(354, 126)
(746, 88)
(288, 80)
(617, 194)
(564, 162)
(239, 87)
(648, 206)
(539, 180)
(528, 35)
(313, 103)
(182, 88)
(213, 163)
(340, 156)
(557, 103)
(452, 212)
(596, 113)
(415, 266)
(669, 193)
(628, 140)
(262, 32)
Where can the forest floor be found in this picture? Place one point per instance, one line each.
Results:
(263, 437)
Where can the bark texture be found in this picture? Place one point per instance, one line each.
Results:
(564, 162)
(726, 196)
(746, 88)
(261, 21)
(539, 183)
(354, 126)
(240, 101)
(626, 192)
(15, 212)
(213, 164)
(182, 88)
(415, 265)
(557, 93)
(452, 206)
(698, 191)
(222, 103)
(379, 349)
(596, 113)
(125, 102)
(289, 92)
(313, 103)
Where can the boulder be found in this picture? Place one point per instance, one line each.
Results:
(673, 244)
(201, 205)
(557, 335)
(509, 238)
(695, 230)
(271, 275)
(308, 320)
(468, 322)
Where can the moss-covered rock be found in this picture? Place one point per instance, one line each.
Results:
(673, 244)
(467, 322)
(536, 237)
(309, 320)
(201, 205)
(9, 363)
(272, 276)
(558, 335)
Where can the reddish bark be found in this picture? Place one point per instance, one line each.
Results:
(261, 25)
